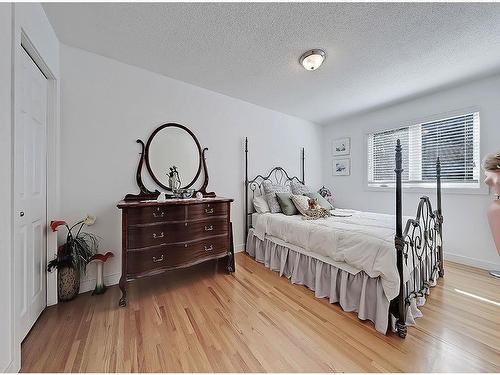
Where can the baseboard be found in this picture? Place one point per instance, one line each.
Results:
(13, 367)
(88, 285)
(239, 248)
(471, 262)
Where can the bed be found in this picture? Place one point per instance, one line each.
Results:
(368, 263)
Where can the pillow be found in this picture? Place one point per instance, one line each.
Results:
(301, 202)
(286, 204)
(321, 201)
(298, 188)
(270, 191)
(260, 205)
(327, 194)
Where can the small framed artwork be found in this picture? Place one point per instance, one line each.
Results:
(342, 167)
(341, 146)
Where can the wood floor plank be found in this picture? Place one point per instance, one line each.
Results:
(202, 320)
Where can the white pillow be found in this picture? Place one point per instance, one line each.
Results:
(270, 191)
(260, 205)
(301, 202)
(298, 188)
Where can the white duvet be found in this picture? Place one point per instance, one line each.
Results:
(364, 241)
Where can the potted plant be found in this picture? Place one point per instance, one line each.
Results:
(73, 256)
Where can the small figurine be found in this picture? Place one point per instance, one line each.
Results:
(491, 166)
(174, 181)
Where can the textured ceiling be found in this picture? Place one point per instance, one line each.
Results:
(378, 53)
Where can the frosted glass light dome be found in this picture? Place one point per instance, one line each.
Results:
(312, 59)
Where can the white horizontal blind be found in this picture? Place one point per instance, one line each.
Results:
(455, 140)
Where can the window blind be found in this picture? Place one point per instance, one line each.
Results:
(455, 140)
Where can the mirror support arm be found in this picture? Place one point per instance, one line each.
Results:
(203, 188)
(145, 192)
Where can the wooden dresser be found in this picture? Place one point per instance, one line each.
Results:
(161, 236)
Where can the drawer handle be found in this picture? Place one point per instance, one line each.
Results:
(209, 228)
(209, 248)
(156, 260)
(158, 215)
(161, 235)
(209, 210)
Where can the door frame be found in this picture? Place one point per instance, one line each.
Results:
(21, 41)
(52, 139)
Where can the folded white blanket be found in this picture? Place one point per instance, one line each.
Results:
(363, 240)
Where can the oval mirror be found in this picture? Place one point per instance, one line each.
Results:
(173, 145)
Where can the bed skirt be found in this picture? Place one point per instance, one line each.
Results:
(353, 292)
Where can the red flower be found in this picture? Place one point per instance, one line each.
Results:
(54, 224)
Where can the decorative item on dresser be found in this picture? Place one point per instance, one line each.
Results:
(165, 234)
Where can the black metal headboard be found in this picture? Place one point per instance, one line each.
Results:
(277, 175)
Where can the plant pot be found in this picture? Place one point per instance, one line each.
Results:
(68, 283)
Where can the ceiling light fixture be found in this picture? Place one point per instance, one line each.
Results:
(312, 59)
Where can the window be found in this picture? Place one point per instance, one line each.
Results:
(455, 140)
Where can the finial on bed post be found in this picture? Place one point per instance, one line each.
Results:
(246, 191)
(399, 242)
(303, 156)
(439, 217)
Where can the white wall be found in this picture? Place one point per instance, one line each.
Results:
(6, 296)
(107, 105)
(467, 236)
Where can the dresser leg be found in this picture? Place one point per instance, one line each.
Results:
(230, 255)
(230, 267)
(123, 288)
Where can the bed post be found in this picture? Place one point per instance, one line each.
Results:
(399, 243)
(246, 191)
(439, 217)
(302, 159)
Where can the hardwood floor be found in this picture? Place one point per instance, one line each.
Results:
(196, 320)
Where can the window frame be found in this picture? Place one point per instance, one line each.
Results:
(427, 188)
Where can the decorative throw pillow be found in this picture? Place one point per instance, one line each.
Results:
(327, 194)
(270, 191)
(301, 202)
(321, 201)
(260, 205)
(298, 188)
(286, 204)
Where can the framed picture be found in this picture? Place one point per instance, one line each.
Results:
(341, 146)
(342, 167)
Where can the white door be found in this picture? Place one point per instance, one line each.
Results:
(30, 199)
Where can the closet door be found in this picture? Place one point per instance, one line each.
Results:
(30, 198)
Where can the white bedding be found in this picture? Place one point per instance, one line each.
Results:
(364, 241)
(254, 219)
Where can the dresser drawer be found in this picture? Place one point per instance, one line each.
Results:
(196, 252)
(146, 260)
(174, 256)
(207, 228)
(207, 210)
(153, 235)
(156, 214)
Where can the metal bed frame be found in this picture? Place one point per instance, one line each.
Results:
(419, 244)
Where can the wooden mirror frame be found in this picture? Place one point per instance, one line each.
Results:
(145, 193)
(148, 144)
